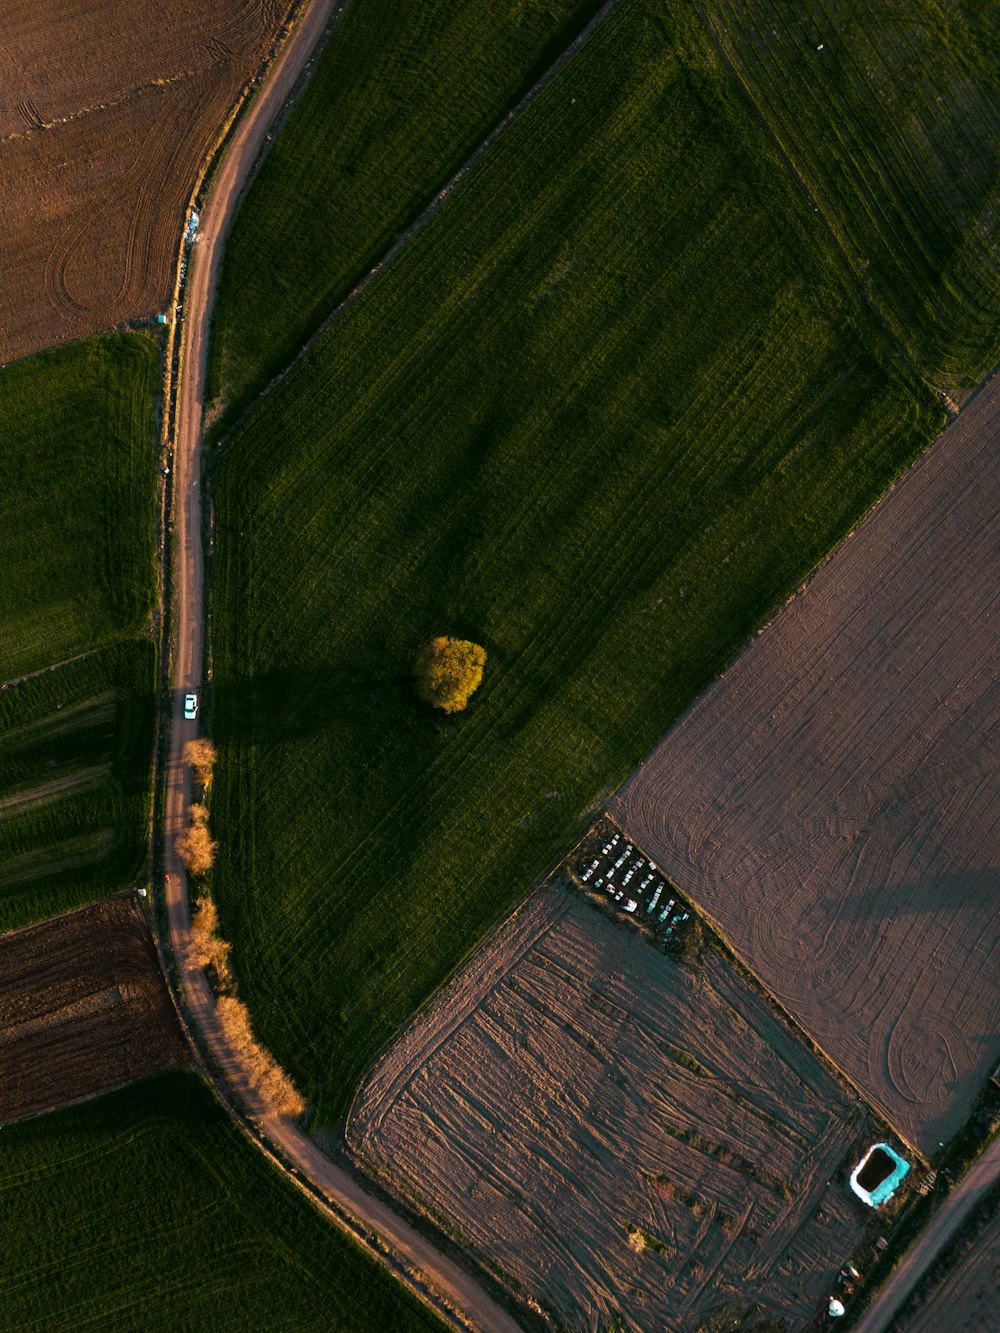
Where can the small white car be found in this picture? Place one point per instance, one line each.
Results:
(190, 706)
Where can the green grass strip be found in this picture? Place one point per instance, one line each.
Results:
(78, 440)
(75, 782)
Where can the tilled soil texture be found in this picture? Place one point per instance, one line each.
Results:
(83, 1008)
(832, 800)
(106, 112)
(618, 1135)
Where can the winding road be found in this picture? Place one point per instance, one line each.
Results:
(437, 1280)
(447, 1287)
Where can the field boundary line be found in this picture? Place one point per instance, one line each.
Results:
(742, 966)
(54, 666)
(427, 213)
(36, 125)
(799, 180)
(804, 1036)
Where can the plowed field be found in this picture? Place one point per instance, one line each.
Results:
(83, 1007)
(832, 800)
(106, 112)
(617, 1135)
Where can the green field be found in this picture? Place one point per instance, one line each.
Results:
(75, 755)
(895, 127)
(77, 584)
(608, 407)
(145, 1209)
(78, 440)
(401, 96)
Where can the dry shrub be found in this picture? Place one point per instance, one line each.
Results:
(269, 1078)
(195, 846)
(449, 671)
(208, 948)
(201, 755)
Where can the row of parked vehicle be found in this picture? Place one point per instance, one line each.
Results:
(625, 873)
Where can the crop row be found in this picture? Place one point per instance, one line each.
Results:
(401, 96)
(74, 799)
(889, 113)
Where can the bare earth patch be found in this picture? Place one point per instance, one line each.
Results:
(106, 111)
(616, 1134)
(832, 801)
(83, 1008)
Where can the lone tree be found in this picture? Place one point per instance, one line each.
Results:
(449, 671)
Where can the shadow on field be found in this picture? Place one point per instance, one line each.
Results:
(974, 889)
(294, 702)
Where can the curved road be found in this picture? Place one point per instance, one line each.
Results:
(981, 1176)
(426, 1270)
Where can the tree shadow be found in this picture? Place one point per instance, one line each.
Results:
(972, 889)
(290, 703)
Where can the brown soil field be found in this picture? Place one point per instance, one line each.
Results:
(966, 1300)
(618, 1136)
(107, 109)
(83, 1008)
(831, 801)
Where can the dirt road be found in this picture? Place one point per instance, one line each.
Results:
(980, 1177)
(449, 1288)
